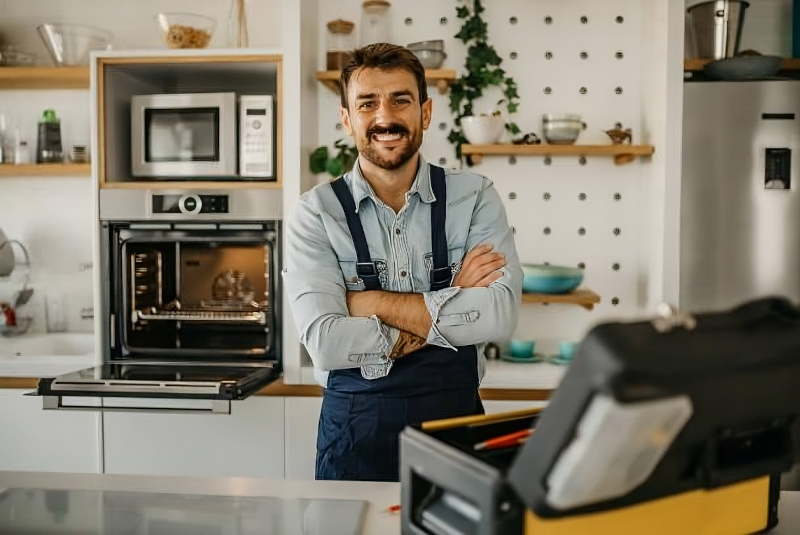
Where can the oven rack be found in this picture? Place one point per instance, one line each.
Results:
(238, 316)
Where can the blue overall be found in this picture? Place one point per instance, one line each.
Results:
(361, 419)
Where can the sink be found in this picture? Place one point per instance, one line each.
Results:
(47, 345)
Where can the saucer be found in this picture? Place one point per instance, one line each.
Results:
(535, 358)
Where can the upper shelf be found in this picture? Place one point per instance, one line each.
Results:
(45, 169)
(581, 297)
(697, 64)
(442, 78)
(44, 77)
(621, 153)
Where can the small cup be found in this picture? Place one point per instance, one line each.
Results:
(522, 349)
(566, 350)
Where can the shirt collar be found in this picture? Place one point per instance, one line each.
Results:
(421, 185)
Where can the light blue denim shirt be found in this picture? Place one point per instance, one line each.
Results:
(321, 267)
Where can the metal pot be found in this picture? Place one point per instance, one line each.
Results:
(562, 129)
(716, 28)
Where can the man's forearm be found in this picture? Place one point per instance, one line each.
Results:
(404, 311)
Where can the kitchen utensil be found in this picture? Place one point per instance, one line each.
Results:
(185, 30)
(562, 129)
(436, 44)
(522, 349)
(22, 297)
(10, 56)
(743, 67)
(80, 154)
(48, 148)
(237, 25)
(716, 27)
(619, 136)
(430, 59)
(482, 129)
(548, 279)
(504, 441)
(71, 44)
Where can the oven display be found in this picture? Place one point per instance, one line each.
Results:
(190, 204)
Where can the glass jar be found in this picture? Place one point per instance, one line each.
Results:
(375, 27)
(340, 43)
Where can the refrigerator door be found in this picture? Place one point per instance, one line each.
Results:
(740, 210)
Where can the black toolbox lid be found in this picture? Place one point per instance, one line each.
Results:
(737, 372)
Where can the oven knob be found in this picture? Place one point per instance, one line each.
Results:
(256, 124)
(190, 204)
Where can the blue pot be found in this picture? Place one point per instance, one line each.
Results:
(550, 279)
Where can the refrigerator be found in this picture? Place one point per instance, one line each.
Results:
(740, 208)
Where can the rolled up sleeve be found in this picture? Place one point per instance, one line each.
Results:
(316, 291)
(471, 316)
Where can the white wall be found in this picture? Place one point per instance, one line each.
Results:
(53, 216)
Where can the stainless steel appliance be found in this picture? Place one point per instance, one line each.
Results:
(191, 297)
(740, 208)
(197, 135)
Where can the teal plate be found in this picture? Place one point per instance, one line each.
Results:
(536, 358)
(558, 359)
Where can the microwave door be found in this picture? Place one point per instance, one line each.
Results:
(219, 383)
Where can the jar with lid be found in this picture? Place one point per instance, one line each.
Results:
(375, 23)
(340, 43)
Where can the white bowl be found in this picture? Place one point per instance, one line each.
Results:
(483, 129)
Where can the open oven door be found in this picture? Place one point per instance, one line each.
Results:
(203, 387)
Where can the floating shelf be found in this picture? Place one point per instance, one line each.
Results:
(581, 297)
(44, 77)
(622, 153)
(441, 78)
(46, 169)
(697, 64)
(197, 185)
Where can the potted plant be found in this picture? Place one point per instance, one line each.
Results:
(340, 163)
(482, 71)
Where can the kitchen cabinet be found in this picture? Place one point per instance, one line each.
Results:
(34, 440)
(249, 442)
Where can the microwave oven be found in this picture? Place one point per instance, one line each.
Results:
(198, 135)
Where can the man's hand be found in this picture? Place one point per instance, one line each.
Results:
(480, 268)
(390, 309)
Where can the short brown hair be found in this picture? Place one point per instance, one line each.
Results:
(383, 56)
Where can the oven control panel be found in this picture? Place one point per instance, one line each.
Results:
(190, 204)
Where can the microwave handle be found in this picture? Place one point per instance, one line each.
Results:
(218, 406)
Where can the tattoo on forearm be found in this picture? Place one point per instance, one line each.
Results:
(406, 343)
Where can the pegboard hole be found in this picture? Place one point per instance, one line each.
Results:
(582, 197)
(617, 197)
(619, 54)
(615, 267)
(548, 55)
(338, 126)
(581, 231)
(546, 196)
(582, 160)
(443, 21)
(442, 161)
(547, 231)
(409, 21)
(513, 20)
(617, 231)
(513, 55)
(512, 195)
(583, 91)
(548, 160)
(548, 19)
(584, 55)
(513, 230)
(615, 301)
(512, 160)
(582, 265)
(617, 125)
(618, 91)
(442, 126)
(584, 20)
(548, 90)
(620, 19)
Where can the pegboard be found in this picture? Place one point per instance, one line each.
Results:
(582, 57)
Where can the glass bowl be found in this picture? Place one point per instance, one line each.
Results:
(13, 57)
(71, 44)
(185, 30)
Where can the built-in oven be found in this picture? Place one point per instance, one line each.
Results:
(191, 298)
(193, 136)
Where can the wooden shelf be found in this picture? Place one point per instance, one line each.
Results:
(198, 185)
(46, 169)
(441, 78)
(697, 64)
(44, 77)
(622, 153)
(581, 297)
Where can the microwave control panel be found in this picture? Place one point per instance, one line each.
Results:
(256, 140)
(190, 204)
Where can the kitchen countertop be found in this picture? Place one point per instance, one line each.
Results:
(379, 495)
(25, 359)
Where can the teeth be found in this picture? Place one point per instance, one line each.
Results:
(387, 137)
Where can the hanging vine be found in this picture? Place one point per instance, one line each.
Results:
(482, 71)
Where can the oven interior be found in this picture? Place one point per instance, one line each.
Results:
(207, 294)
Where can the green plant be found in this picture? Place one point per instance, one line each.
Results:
(321, 161)
(482, 71)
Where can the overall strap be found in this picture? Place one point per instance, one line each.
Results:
(365, 267)
(441, 273)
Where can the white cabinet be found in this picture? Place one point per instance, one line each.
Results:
(36, 440)
(248, 442)
(302, 417)
(492, 407)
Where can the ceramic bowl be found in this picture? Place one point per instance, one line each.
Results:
(521, 349)
(544, 279)
(483, 129)
(430, 59)
(562, 129)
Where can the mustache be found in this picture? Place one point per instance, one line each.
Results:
(391, 129)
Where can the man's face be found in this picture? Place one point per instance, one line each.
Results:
(385, 117)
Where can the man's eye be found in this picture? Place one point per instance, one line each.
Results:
(403, 101)
(365, 105)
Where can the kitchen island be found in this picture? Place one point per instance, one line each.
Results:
(305, 507)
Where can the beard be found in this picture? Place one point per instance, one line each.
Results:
(395, 157)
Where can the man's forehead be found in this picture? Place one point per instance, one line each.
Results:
(382, 81)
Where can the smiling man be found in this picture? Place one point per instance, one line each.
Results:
(397, 274)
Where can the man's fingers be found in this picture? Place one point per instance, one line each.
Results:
(477, 251)
(489, 279)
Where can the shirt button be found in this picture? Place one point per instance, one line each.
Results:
(397, 231)
(403, 273)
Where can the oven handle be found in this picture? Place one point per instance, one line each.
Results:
(218, 406)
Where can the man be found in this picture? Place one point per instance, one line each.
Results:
(397, 274)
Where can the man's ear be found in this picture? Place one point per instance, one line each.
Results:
(345, 120)
(427, 113)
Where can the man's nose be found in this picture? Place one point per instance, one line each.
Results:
(383, 115)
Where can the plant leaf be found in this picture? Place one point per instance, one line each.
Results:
(318, 159)
(335, 167)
